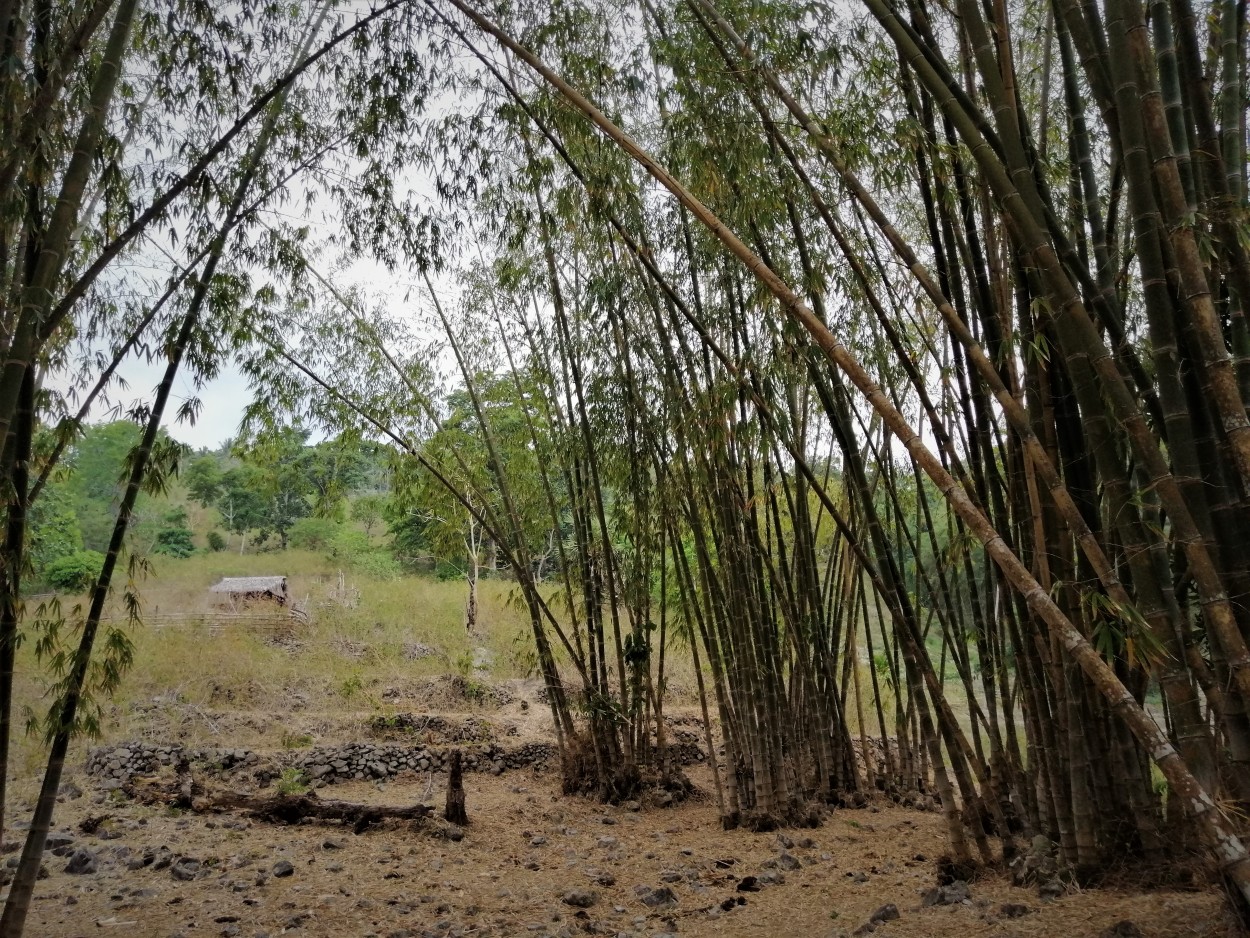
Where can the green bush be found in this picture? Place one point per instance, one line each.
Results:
(174, 537)
(445, 570)
(347, 544)
(352, 547)
(314, 533)
(174, 542)
(292, 782)
(216, 542)
(377, 563)
(74, 572)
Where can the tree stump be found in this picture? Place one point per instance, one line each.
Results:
(454, 811)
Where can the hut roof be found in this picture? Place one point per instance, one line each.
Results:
(250, 584)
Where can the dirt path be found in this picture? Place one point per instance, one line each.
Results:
(527, 851)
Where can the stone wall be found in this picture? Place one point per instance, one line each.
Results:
(327, 765)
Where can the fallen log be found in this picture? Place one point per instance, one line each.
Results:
(292, 809)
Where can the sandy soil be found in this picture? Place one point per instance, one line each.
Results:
(526, 849)
(527, 852)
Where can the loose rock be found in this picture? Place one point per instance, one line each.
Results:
(887, 913)
(788, 861)
(662, 898)
(83, 861)
(954, 894)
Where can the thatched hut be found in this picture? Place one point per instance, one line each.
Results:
(240, 591)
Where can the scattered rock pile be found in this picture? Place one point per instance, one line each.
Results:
(1039, 866)
(956, 893)
(450, 690)
(415, 651)
(432, 728)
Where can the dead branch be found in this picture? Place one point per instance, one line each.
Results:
(292, 809)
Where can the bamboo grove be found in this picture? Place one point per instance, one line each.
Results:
(889, 362)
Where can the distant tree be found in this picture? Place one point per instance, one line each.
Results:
(216, 542)
(298, 480)
(97, 463)
(330, 471)
(203, 478)
(241, 503)
(99, 460)
(54, 529)
(410, 535)
(368, 511)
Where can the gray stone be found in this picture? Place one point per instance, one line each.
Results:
(887, 913)
(580, 898)
(184, 869)
(70, 791)
(954, 894)
(1050, 889)
(283, 868)
(788, 861)
(662, 898)
(83, 861)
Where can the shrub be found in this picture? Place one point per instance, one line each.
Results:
(352, 547)
(74, 572)
(292, 782)
(216, 542)
(174, 538)
(313, 533)
(296, 740)
(174, 542)
(377, 563)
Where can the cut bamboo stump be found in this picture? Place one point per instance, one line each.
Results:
(454, 811)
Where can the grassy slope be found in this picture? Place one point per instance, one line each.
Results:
(339, 664)
(343, 659)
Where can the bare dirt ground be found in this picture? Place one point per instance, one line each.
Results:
(534, 862)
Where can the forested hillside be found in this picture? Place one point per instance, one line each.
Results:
(883, 367)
